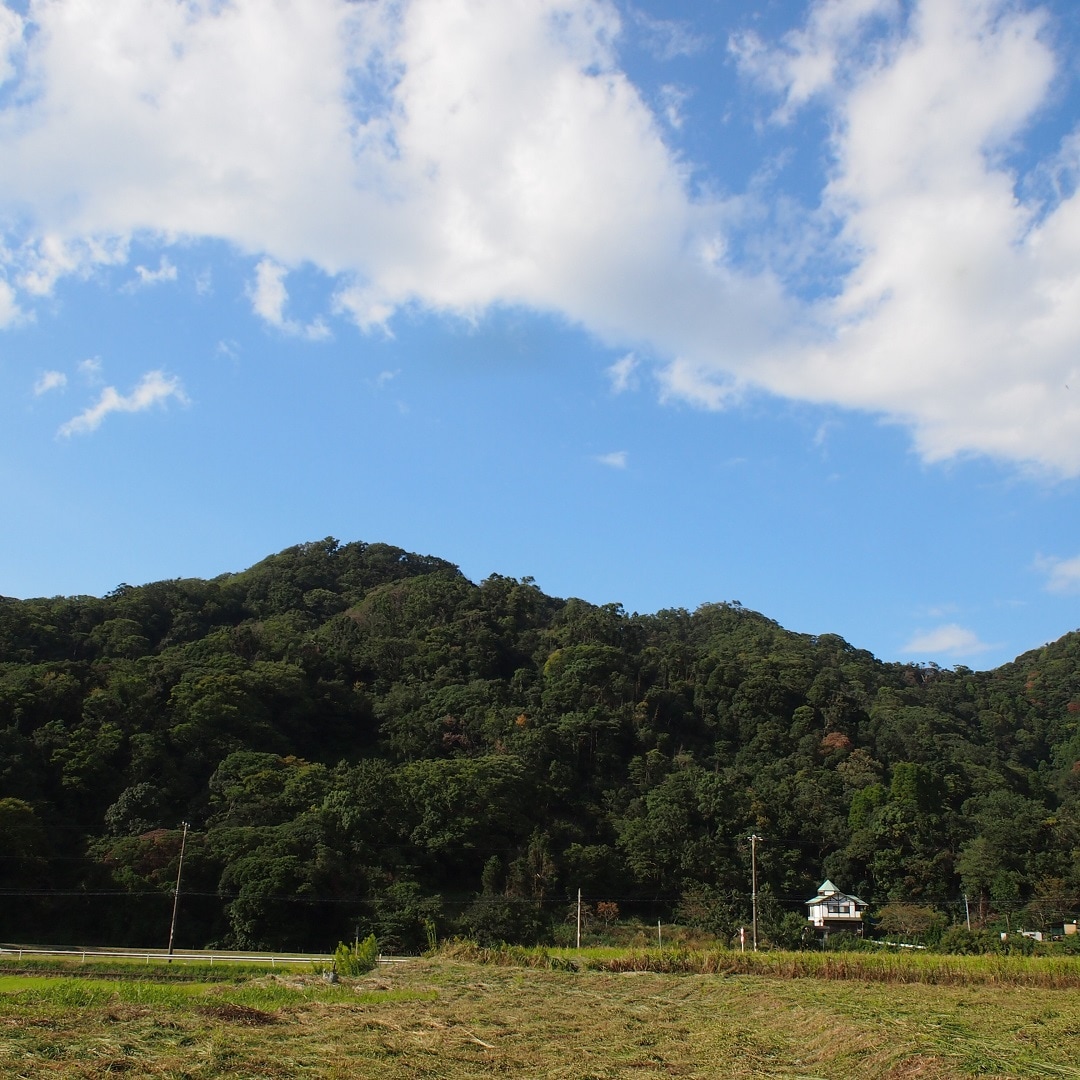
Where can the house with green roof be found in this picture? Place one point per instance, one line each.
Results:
(832, 909)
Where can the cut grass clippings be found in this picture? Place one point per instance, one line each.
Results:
(455, 1019)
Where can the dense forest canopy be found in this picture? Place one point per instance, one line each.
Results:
(362, 739)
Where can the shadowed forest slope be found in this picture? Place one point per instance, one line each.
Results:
(362, 739)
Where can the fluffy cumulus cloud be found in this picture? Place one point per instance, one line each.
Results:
(1062, 575)
(811, 58)
(154, 388)
(949, 640)
(269, 297)
(457, 154)
(960, 312)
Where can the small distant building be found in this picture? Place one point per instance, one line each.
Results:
(832, 909)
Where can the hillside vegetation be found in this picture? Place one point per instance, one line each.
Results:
(365, 741)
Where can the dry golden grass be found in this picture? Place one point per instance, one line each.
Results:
(449, 1019)
(1047, 972)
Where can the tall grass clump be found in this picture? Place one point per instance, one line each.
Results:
(887, 967)
(507, 955)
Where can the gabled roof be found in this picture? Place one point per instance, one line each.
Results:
(828, 891)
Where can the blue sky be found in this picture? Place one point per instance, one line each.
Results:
(657, 304)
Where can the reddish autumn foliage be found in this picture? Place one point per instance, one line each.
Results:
(835, 740)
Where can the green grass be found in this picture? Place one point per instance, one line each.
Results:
(137, 967)
(78, 993)
(455, 1019)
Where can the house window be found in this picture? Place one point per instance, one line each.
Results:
(837, 907)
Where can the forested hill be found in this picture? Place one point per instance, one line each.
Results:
(361, 737)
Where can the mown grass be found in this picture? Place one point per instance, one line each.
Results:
(455, 1019)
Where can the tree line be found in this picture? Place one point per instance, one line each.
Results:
(364, 741)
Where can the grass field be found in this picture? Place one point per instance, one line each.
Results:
(135, 968)
(452, 1018)
(1047, 972)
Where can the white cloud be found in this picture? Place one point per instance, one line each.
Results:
(960, 314)
(269, 297)
(90, 369)
(809, 59)
(268, 293)
(698, 383)
(1062, 575)
(9, 309)
(948, 640)
(672, 99)
(166, 271)
(46, 258)
(316, 330)
(11, 41)
(617, 459)
(623, 374)
(459, 154)
(49, 380)
(455, 153)
(154, 388)
(667, 39)
(821, 436)
(941, 611)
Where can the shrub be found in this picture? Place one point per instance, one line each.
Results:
(358, 959)
(960, 941)
(846, 941)
(491, 920)
(1071, 945)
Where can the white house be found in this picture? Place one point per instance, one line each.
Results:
(833, 910)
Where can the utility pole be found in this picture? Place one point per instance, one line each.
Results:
(754, 838)
(579, 918)
(967, 912)
(176, 894)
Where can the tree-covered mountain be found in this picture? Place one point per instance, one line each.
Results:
(361, 738)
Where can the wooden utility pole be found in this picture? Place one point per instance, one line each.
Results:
(754, 838)
(176, 894)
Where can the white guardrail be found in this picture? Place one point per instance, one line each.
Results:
(201, 957)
